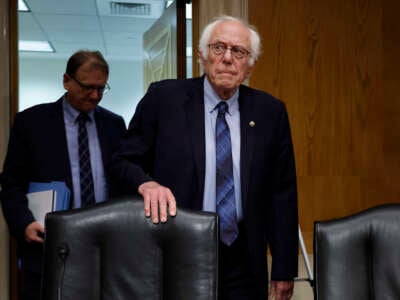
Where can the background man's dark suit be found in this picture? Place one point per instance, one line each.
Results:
(38, 152)
(166, 138)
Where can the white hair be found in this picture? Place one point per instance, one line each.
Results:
(255, 41)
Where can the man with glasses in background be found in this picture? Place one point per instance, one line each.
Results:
(213, 144)
(70, 140)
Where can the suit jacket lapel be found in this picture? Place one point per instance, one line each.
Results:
(102, 133)
(247, 140)
(194, 108)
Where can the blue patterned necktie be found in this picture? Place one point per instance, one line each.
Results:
(225, 193)
(85, 170)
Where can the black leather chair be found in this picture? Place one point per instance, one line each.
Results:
(358, 257)
(111, 251)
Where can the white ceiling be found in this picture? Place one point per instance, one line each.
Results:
(70, 25)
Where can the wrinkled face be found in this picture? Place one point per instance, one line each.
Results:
(223, 68)
(85, 87)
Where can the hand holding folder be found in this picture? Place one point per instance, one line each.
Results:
(44, 197)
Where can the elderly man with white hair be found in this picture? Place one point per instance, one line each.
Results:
(213, 144)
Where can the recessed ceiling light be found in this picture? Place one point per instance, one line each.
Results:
(36, 46)
(189, 51)
(22, 6)
(189, 11)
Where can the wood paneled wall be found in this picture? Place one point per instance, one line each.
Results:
(335, 63)
(4, 132)
(209, 9)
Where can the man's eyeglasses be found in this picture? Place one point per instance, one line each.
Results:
(237, 51)
(90, 88)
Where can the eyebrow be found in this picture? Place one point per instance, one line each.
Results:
(220, 42)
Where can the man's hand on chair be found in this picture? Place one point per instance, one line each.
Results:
(158, 200)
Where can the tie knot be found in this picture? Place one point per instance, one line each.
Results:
(82, 118)
(222, 107)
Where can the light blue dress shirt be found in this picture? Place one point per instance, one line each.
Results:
(96, 161)
(211, 99)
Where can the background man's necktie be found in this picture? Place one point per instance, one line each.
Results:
(85, 170)
(225, 194)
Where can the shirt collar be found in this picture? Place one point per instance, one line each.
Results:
(211, 99)
(71, 113)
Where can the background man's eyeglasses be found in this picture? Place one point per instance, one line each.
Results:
(237, 51)
(90, 88)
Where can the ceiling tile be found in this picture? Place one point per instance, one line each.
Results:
(123, 38)
(125, 24)
(26, 21)
(32, 35)
(75, 36)
(63, 47)
(77, 7)
(68, 22)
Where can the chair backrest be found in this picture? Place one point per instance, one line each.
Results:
(358, 257)
(111, 251)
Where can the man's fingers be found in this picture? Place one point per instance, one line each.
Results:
(146, 200)
(158, 201)
(163, 208)
(37, 239)
(167, 202)
(33, 236)
(171, 204)
(154, 209)
(32, 232)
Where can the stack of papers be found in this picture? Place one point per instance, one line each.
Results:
(44, 197)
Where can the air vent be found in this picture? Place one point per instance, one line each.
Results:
(148, 9)
(131, 9)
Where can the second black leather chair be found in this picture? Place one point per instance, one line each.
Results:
(358, 257)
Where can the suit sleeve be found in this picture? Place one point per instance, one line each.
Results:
(15, 179)
(284, 213)
(132, 162)
(115, 132)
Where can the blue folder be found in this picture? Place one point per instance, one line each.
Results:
(62, 192)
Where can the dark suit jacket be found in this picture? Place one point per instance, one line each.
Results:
(166, 143)
(38, 152)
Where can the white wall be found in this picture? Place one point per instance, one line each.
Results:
(40, 81)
